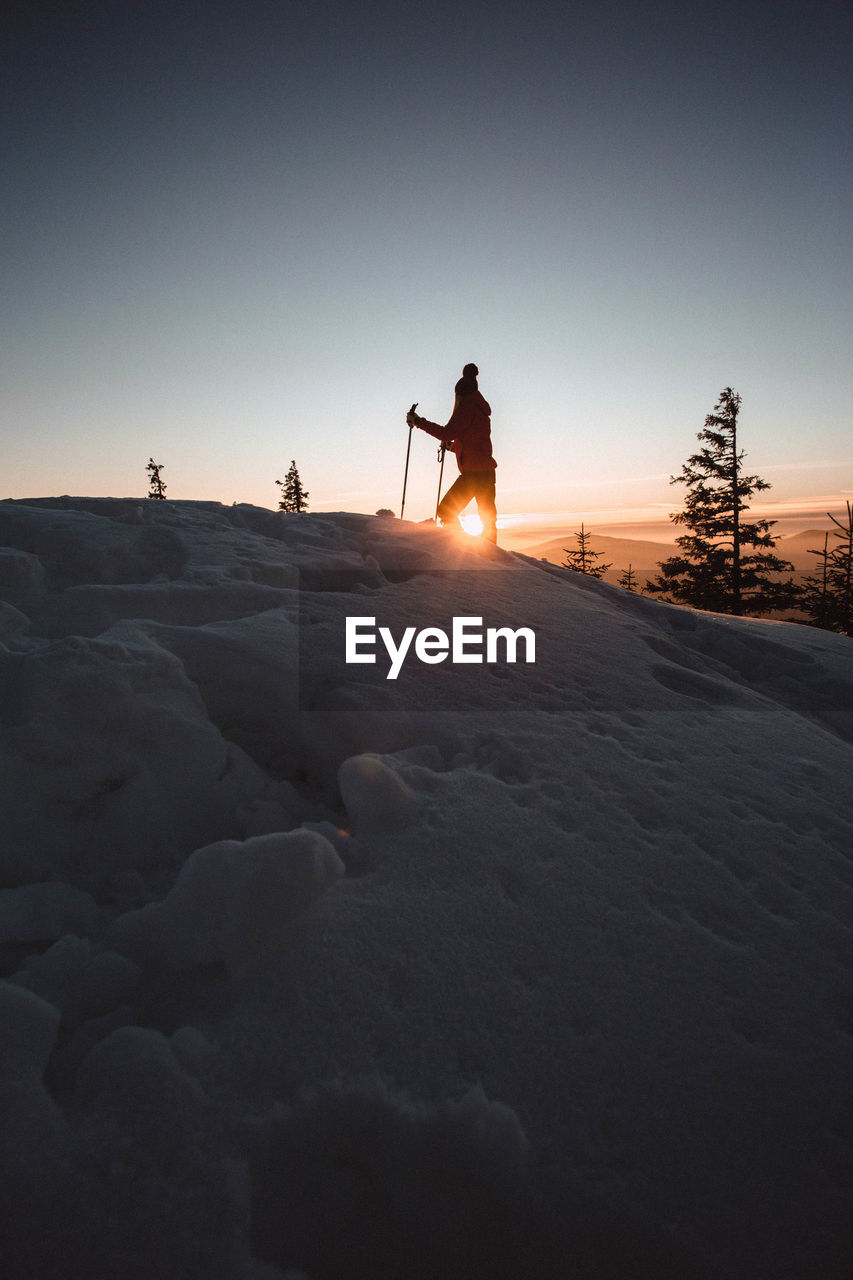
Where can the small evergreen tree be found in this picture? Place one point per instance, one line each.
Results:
(583, 559)
(628, 579)
(827, 597)
(714, 570)
(156, 487)
(815, 589)
(293, 497)
(841, 572)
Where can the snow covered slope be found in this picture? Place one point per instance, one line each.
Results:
(493, 969)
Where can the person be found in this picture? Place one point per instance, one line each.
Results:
(468, 435)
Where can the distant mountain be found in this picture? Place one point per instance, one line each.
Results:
(644, 555)
(797, 546)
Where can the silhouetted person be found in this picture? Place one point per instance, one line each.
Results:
(468, 434)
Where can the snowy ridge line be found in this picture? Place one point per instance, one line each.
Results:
(487, 970)
(740, 649)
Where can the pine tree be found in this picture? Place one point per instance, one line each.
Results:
(841, 572)
(293, 497)
(156, 487)
(583, 559)
(715, 570)
(814, 601)
(628, 579)
(826, 597)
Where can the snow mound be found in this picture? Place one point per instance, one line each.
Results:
(373, 794)
(36, 912)
(83, 981)
(361, 1181)
(234, 903)
(501, 968)
(30, 1028)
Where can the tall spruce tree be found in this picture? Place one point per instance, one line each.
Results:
(293, 497)
(156, 487)
(583, 559)
(726, 562)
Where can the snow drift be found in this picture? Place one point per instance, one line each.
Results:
(493, 969)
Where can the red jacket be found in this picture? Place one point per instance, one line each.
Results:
(468, 433)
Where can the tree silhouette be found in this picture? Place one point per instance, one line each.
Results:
(714, 570)
(841, 572)
(387, 512)
(826, 598)
(628, 579)
(583, 559)
(815, 589)
(293, 497)
(156, 487)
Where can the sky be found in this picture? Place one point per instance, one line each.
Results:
(239, 234)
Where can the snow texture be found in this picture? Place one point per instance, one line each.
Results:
(232, 902)
(495, 969)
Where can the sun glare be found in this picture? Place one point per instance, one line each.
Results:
(472, 524)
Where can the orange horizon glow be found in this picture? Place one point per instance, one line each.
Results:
(652, 522)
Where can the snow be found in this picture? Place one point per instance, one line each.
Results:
(373, 794)
(233, 902)
(490, 969)
(30, 1026)
(35, 912)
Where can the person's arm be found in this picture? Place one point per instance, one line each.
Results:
(445, 434)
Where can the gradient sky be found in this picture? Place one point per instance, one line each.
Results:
(239, 233)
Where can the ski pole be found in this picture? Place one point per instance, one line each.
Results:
(408, 451)
(441, 449)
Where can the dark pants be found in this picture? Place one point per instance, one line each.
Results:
(472, 484)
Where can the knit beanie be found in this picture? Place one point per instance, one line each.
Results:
(468, 382)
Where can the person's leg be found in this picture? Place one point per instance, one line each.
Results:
(484, 492)
(455, 500)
